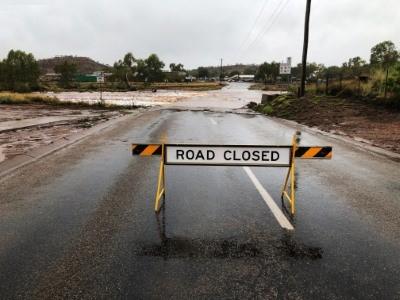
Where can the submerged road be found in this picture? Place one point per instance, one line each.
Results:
(80, 223)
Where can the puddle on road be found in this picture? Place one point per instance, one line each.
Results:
(297, 250)
(196, 248)
(229, 249)
(181, 247)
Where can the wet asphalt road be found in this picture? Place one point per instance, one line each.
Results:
(80, 223)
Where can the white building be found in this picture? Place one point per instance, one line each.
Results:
(286, 68)
(241, 78)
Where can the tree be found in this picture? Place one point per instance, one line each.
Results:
(142, 71)
(394, 79)
(329, 73)
(356, 62)
(129, 60)
(154, 68)
(354, 67)
(313, 71)
(125, 69)
(202, 72)
(262, 72)
(68, 72)
(19, 71)
(267, 71)
(250, 71)
(176, 67)
(384, 55)
(149, 69)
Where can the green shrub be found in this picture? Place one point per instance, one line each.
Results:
(267, 110)
(347, 92)
(334, 90)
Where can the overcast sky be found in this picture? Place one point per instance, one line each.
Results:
(198, 32)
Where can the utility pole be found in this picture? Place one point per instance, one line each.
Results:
(101, 86)
(220, 76)
(305, 49)
(101, 93)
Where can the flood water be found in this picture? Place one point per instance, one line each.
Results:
(234, 95)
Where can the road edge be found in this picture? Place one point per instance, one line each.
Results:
(348, 140)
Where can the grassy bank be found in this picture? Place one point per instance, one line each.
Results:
(268, 87)
(27, 98)
(9, 98)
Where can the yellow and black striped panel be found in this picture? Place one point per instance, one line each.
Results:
(314, 152)
(146, 149)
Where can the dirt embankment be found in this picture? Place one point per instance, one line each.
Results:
(355, 118)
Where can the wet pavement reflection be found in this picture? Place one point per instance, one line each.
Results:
(230, 248)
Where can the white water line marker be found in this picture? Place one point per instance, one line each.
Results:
(213, 121)
(278, 214)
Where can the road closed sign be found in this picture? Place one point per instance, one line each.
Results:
(278, 156)
(233, 155)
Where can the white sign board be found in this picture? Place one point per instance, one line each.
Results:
(228, 155)
(284, 68)
(100, 79)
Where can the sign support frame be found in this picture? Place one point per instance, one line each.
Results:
(161, 182)
(288, 191)
(291, 175)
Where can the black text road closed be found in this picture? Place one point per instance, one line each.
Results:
(278, 156)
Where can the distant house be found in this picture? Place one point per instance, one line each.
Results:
(97, 76)
(48, 77)
(190, 78)
(86, 78)
(92, 77)
(243, 78)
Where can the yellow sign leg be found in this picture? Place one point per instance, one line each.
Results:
(291, 196)
(161, 183)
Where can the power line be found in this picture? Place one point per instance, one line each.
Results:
(262, 28)
(250, 33)
(268, 25)
(268, 21)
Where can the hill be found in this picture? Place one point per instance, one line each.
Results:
(85, 65)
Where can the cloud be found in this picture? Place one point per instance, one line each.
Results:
(197, 32)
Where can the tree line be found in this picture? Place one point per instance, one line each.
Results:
(20, 72)
(382, 72)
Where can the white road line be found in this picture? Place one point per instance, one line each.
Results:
(279, 216)
(213, 121)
